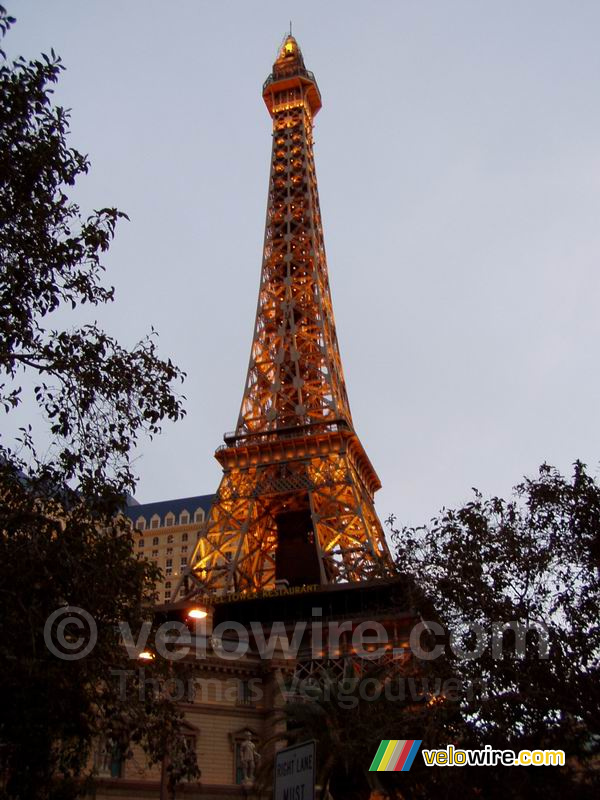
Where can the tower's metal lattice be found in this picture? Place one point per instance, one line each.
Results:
(295, 503)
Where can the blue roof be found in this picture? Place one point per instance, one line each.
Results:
(162, 507)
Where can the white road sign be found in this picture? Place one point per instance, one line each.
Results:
(295, 769)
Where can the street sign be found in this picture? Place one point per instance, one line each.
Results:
(295, 769)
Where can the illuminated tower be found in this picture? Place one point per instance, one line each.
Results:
(295, 504)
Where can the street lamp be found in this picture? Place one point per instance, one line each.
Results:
(146, 655)
(197, 613)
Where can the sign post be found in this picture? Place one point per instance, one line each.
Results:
(295, 769)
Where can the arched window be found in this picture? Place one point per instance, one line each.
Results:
(184, 518)
(140, 524)
(141, 543)
(199, 515)
(155, 521)
(170, 520)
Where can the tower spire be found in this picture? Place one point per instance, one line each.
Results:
(295, 503)
(295, 374)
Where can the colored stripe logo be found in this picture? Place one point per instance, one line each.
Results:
(395, 755)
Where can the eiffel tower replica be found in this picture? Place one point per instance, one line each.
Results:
(295, 503)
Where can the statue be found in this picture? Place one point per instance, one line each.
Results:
(105, 756)
(249, 757)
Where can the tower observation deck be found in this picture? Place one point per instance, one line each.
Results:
(295, 503)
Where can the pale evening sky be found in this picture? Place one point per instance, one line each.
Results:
(458, 158)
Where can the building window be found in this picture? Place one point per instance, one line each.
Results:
(168, 585)
(155, 554)
(184, 537)
(184, 519)
(155, 541)
(168, 570)
(155, 522)
(169, 551)
(169, 562)
(199, 515)
(183, 561)
(169, 520)
(246, 693)
(141, 524)
(184, 548)
(141, 543)
(168, 594)
(170, 539)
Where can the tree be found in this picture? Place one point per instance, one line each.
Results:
(62, 541)
(349, 716)
(532, 561)
(510, 590)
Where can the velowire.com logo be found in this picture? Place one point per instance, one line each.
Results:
(395, 755)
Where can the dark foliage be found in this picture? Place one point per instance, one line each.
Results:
(532, 560)
(62, 542)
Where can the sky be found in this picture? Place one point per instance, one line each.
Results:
(458, 160)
